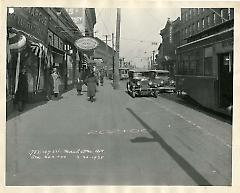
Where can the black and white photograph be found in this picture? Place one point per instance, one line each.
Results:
(119, 96)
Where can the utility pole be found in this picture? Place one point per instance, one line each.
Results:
(106, 55)
(113, 52)
(116, 64)
(153, 58)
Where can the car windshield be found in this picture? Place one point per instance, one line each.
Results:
(140, 75)
(162, 75)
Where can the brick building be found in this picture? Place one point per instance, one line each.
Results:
(170, 40)
(195, 22)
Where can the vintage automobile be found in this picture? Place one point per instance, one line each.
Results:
(139, 83)
(163, 80)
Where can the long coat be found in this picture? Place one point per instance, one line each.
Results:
(22, 91)
(91, 86)
(56, 82)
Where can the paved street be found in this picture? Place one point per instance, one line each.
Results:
(117, 140)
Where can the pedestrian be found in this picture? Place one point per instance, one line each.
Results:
(91, 86)
(56, 83)
(21, 96)
(79, 83)
(102, 77)
(49, 84)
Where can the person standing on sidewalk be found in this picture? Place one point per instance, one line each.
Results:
(21, 96)
(49, 85)
(91, 86)
(56, 83)
(101, 77)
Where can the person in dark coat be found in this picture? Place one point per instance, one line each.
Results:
(21, 95)
(91, 86)
(102, 77)
(49, 85)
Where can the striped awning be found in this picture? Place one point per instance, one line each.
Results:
(84, 59)
(38, 49)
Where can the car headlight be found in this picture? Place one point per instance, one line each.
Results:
(162, 82)
(171, 82)
(138, 83)
(150, 83)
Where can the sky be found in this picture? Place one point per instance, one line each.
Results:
(140, 27)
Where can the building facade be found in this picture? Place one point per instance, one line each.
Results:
(170, 41)
(104, 52)
(39, 39)
(85, 19)
(195, 21)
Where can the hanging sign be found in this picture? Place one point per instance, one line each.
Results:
(86, 43)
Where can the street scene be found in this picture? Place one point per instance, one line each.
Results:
(92, 101)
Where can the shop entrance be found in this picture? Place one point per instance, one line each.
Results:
(226, 79)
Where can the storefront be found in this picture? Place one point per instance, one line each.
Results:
(26, 38)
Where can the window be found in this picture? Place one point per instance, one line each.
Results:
(186, 31)
(193, 28)
(190, 13)
(221, 14)
(208, 66)
(190, 30)
(229, 13)
(203, 9)
(192, 64)
(198, 25)
(199, 65)
(50, 38)
(203, 23)
(198, 11)
(182, 17)
(214, 18)
(186, 16)
(70, 11)
(208, 20)
(185, 64)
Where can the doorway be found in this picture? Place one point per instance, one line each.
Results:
(226, 79)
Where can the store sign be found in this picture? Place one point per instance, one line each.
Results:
(31, 20)
(86, 43)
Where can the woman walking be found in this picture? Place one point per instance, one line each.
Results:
(56, 83)
(91, 86)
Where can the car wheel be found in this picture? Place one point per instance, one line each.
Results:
(133, 94)
(155, 94)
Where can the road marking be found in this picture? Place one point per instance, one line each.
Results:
(194, 124)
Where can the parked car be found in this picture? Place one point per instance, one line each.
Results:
(139, 83)
(163, 80)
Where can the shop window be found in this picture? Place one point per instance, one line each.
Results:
(192, 64)
(199, 64)
(208, 66)
(185, 64)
